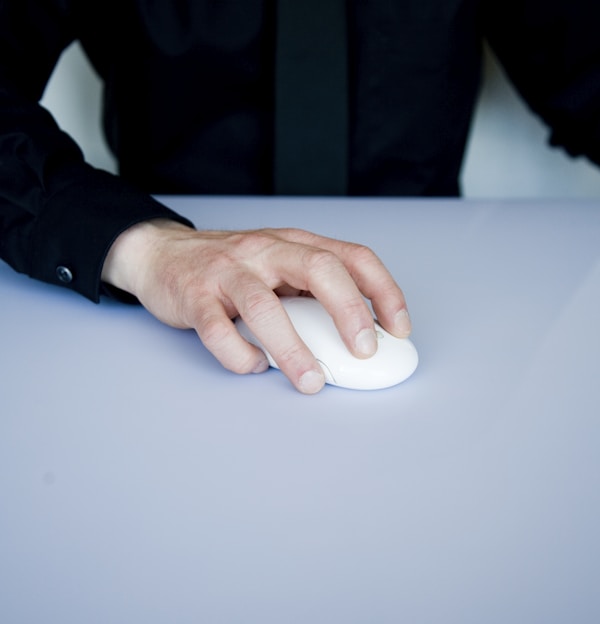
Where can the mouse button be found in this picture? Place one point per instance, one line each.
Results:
(329, 378)
(401, 357)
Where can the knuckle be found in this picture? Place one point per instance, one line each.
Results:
(293, 234)
(214, 331)
(321, 261)
(218, 336)
(259, 305)
(361, 253)
(252, 242)
(354, 307)
(290, 356)
(192, 304)
(241, 365)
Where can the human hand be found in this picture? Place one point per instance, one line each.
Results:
(204, 279)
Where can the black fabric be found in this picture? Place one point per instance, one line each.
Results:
(311, 98)
(189, 106)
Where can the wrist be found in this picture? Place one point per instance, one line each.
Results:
(131, 252)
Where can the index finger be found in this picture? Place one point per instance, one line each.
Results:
(370, 277)
(261, 310)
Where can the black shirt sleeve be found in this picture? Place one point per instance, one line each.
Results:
(550, 50)
(56, 211)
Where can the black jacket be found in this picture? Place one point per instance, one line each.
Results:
(188, 106)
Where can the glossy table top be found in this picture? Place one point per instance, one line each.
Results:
(141, 482)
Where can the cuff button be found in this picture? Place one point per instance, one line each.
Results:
(64, 274)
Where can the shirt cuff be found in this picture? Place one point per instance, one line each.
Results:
(79, 223)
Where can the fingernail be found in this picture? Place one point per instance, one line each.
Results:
(402, 323)
(262, 366)
(311, 382)
(366, 342)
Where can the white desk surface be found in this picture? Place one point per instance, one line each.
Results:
(140, 482)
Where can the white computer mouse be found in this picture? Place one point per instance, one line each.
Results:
(395, 360)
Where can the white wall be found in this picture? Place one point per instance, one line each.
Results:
(507, 155)
(73, 95)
